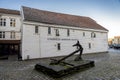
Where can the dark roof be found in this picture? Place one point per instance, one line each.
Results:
(36, 15)
(9, 11)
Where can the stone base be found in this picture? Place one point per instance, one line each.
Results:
(63, 69)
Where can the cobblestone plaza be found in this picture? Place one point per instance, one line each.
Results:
(107, 67)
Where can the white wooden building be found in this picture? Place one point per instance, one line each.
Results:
(50, 34)
(10, 35)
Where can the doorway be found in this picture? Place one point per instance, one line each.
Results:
(10, 51)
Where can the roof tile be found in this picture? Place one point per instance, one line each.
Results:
(36, 15)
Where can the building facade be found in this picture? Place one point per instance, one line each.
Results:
(116, 40)
(10, 35)
(33, 33)
(50, 34)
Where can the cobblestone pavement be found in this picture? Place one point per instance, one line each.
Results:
(107, 67)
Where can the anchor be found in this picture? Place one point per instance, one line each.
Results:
(79, 49)
(61, 67)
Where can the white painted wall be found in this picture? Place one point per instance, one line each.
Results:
(41, 46)
(8, 29)
(30, 43)
(49, 47)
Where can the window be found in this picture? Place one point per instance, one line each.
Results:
(68, 32)
(12, 22)
(58, 46)
(12, 35)
(57, 32)
(93, 35)
(2, 22)
(36, 29)
(49, 30)
(83, 33)
(89, 44)
(2, 34)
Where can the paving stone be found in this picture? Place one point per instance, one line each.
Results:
(107, 67)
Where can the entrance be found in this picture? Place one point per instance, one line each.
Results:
(9, 49)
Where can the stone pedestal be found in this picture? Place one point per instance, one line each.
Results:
(62, 69)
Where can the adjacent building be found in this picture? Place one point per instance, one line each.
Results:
(50, 34)
(116, 40)
(10, 34)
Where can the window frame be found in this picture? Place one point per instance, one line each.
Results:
(36, 29)
(83, 34)
(2, 34)
(2, 22)
(12, 22)
(58, 46)
(68, 32)
(57, 32)
(93, 35)
(12, 35)
(49, 30)
(89, 45)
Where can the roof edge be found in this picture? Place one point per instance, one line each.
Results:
(9, 11)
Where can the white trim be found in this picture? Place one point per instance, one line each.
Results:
(10, 30)
(22, 14)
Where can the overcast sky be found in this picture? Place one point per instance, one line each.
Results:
(105, 12)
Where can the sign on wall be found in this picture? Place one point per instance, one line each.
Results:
(62, 39)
